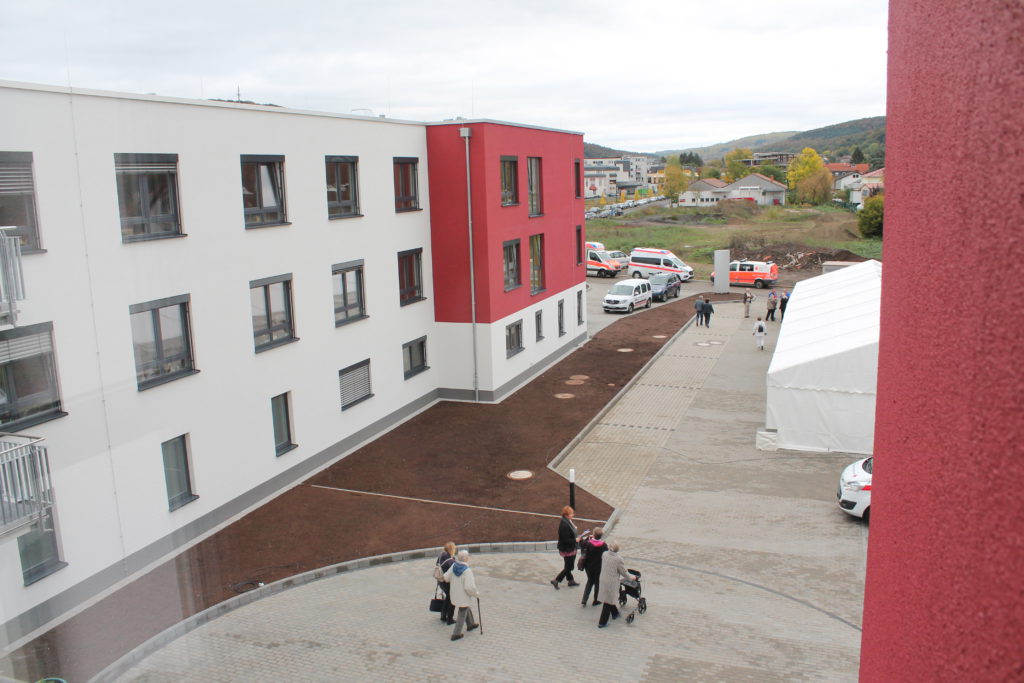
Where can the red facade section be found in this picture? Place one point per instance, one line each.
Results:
(944, 598)
(495, 224)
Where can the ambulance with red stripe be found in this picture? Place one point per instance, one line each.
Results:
(647, 261)
(600, 262)
(758, 274)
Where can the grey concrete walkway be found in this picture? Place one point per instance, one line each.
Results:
(750, 570)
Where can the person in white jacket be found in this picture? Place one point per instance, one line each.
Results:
(760, 332)
(463, 587)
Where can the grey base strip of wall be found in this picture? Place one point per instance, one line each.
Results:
(167, 636)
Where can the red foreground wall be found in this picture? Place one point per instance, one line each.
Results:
(945, 575)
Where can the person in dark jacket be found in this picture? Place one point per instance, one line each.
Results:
(698, 306)
(445, 560)
(708, 310)
(568, 538)
(593, 548)
(783, 302)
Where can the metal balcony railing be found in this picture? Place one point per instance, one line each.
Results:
(12, 281)
(26, 490)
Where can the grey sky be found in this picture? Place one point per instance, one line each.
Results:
(641, 76)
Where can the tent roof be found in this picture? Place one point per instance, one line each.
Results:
(830, 315)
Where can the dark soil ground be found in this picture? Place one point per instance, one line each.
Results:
(450, 453)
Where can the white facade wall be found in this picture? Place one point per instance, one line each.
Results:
(105, 454)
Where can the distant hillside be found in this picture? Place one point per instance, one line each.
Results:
(592, 151)
(753, 142)
(860, 132)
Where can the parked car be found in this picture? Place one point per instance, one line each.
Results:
(854, 494)
(647, 261)
(627, 295)
(664, 285)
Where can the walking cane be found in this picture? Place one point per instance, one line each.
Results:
(479, 616)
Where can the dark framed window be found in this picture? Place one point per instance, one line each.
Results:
(18, 198)
(342, 186)
(410, 276)
(561, 317)
(536, 263)
(147, 195)
(270, 300)
(578, 178)
(414, 357)
(354, 383)
(29, 393)
(176, 472)
(406, 184)
(538, 324)
(533, 186)
(509, 181)
(349, 302)
(162, 341)
(513, 338)
(263, 190)
(579, 245)
(579, 307)
(510, 261)
(40, 554)
(281, 416)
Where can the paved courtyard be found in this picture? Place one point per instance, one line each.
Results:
(750, 570)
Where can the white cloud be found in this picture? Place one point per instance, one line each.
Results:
(653, 76)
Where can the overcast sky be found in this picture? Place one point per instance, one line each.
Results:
(644, 76)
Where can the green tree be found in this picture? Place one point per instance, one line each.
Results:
(857, 157)
(870, 218)
(675, 181)
(772, 171)
(710, 172)
(734, 166)
(815, 188)
(804, 166)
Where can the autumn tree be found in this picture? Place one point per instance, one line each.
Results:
(710, 172)
(807, 163)
(815, 188)
(675, 181)
(870, 218)
(734, 166)
(772, 171)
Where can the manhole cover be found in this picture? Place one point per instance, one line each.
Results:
(565, 395)
(660, 336)
(715, 342)
(702, 344)
(574, 382)
(579, 376)
(519, 474)
(625, 350)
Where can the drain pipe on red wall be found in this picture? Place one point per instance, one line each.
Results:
(466, 132)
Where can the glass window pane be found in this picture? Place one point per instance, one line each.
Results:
(345, 182)
(250, 185)
(176, 474)
(258, 308)
(172, 331)
(144, 340)
(268, 180)
(159, 194)
(332, 183)
(282, 429)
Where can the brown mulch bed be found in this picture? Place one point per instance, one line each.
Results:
(451, 453)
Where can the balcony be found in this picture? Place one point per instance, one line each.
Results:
(12, 281)
(26, 491)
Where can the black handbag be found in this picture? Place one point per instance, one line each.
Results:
(437, 603)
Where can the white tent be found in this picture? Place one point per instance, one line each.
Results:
(823, 375)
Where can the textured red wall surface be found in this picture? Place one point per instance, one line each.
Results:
(493, 223)
(944, 598)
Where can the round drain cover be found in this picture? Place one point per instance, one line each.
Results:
(574, 382)
(701, 344)
(579, 376)
(660, 336)
(519, 474)
(565, 395)
(625, 350)
(715, 342)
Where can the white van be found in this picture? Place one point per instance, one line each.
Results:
(647, 261)
(627, 295)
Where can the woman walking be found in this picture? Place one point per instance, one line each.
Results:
(593, 548)
(444, 562)
(568, 537)
(612, 567)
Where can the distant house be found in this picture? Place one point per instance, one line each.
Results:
(846, 181)
(869, 184)
(838, 169)
(759, 188)
(780, 159)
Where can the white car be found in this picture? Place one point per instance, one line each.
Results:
(627, 295)
(854, 493)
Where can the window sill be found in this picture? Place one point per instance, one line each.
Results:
(416, 371)
(257, 226)
(340, 216)
(178, 504)
(511, 204)
(284, 449)
(31, 421)
(415, 208)
(561, 333)
(509, 353)
(535, 292)
(540, 338)
(356, 402)
(275, 344)
(349, 321)
(164, 379)
(412, 301)
(535, 215)
(512, 289)
(34, 250)
(151, 238)
(41, 574)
